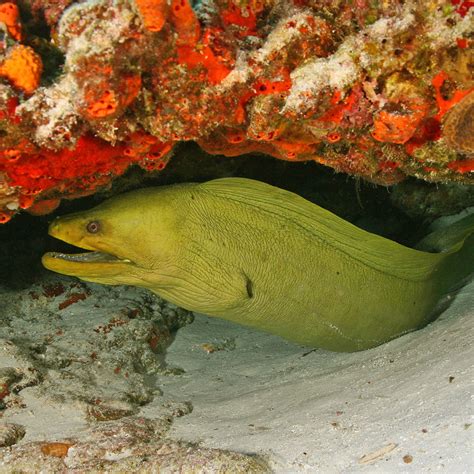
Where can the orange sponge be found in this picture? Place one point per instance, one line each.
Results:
(153, 13)
(23, 68)
(10, 16)
(399, 126)
(185, 22)
(106, 105)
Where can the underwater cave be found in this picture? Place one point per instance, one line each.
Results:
(310, 171)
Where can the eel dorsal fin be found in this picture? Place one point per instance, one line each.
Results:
(371, 250)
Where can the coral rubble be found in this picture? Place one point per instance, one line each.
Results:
(134, 444)
(381, 90)
(103, 364)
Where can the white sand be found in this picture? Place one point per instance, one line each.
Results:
(322, 412)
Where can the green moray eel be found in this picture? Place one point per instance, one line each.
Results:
(257, 255)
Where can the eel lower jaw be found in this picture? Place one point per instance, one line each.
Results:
(88, 257)
(94, 266)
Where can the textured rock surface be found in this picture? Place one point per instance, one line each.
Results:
(128, 445)
(91, 345)
(10, 433)
(380, 90)
(425, 201)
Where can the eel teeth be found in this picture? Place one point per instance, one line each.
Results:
(89, 257)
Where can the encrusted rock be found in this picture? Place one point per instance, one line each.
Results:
(378, 90)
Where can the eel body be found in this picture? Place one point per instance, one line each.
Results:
(257, 255)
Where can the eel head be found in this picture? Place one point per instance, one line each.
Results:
(103, 263)
(131, 239)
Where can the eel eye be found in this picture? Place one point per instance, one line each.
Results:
(93, 227)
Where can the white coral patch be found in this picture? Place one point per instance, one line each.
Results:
(101, 29)
(391, 26)
(337, 72)
(346, 65)
(239, 75)
(55, 112)
(280, 37)
(441, 33)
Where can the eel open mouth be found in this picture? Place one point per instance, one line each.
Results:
(93, 266)
(87, 257)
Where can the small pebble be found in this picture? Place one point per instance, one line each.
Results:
(10, 434)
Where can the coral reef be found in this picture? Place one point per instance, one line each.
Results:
(381, 90)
